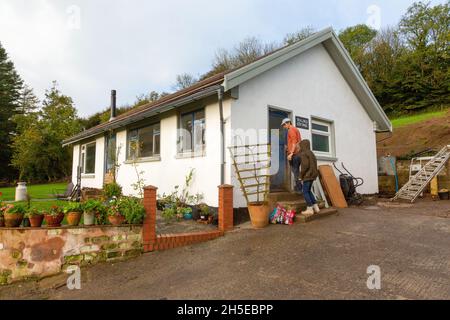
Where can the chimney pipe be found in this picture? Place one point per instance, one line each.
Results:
(113, 105)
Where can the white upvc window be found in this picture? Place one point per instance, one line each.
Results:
(322, 137)
(144, 142)
(88, 158)
(191, 135)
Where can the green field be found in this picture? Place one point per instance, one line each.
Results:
(40, 191)
(408, 120)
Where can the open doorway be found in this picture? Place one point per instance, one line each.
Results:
(280, 177)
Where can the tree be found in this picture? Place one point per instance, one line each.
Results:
(426, 63)
(300, 35)
(38, 152)
(356, 40)
(183, 81)
(246, 51)
(27, 111)
(10, 86)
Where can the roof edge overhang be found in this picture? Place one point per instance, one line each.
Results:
(342, 59)
(113, 125)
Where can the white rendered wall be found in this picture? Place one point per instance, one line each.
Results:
(311, 85)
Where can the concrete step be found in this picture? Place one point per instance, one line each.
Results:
(284, 196)
(322, 214)
(298, 205)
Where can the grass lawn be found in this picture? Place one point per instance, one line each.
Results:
(404, 121)
(44, 205)
(39, 191)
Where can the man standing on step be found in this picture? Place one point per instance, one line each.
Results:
(293, 151)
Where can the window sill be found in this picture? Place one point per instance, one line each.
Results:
(326, 158)
(143, 160)
(188, 155)
(88, 176)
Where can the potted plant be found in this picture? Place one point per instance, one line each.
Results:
(13, 215)
(186, 212)
(115, 217)
(101, 216)
(91, 208)
(73, 211)
(112, 190)
(204, 212)
(36, 217)
(132, 209)
(54, 217)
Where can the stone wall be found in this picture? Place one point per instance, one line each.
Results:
(27, 253)
(387, 183)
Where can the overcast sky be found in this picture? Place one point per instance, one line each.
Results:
(136, 46)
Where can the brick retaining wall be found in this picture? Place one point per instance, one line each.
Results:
(27, 253)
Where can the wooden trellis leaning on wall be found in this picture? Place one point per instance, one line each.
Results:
(252, 164)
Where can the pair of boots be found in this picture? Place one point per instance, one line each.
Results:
(311, 210)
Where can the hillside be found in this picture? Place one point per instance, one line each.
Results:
(415, 134)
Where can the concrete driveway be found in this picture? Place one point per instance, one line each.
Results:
(325, 259)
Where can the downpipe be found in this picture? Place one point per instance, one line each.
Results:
(222, 136)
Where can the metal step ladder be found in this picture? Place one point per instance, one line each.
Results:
(418, 183)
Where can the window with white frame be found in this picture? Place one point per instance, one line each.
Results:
(322, 137)
(144, 142)
(88, 158)
(192, 132)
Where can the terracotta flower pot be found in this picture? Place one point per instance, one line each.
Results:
(116, 220)
(54, 221)
(13, 220)
(2, 222)
(73, 218)
(259, 215)
(36, 221)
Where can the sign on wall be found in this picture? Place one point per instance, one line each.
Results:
(302, 123)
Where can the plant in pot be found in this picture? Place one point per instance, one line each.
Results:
(54, 217)
(101, 216)
(36, 217)
(90, 209)
(13, 215)
(205, 212)
(112, 190)
(73, 212)
(115, 217)
(184, 213)
(132, 209)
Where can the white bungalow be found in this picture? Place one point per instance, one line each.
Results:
(313, 81)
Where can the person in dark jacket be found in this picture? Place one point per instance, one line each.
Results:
(308, 174)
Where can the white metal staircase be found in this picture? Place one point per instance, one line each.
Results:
(418, 183)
